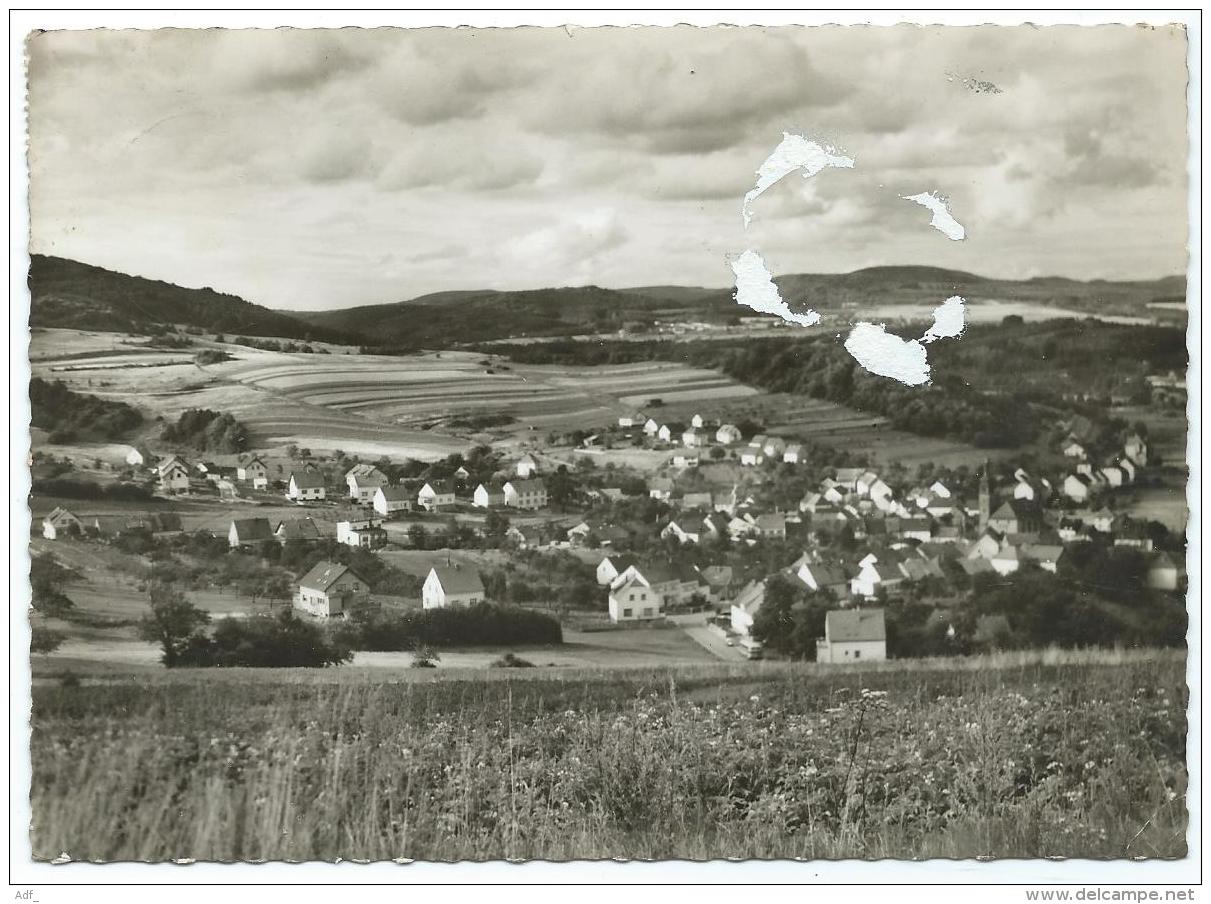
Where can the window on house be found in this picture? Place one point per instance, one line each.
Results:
(649, 611)
(626, 613)
(857, 654)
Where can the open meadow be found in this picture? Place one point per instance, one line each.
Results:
(1021, 755)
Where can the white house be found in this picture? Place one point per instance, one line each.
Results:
(1077, 487)
(609, 568)
(694, 438)
(874, 575)
(1127, 466)
(634, 601)
(1113, 476)
(305, 486)
(686, 459)
(1074, 450)
(1006, 560)
(488, 496)
(746, 605)
(297, 530)
(697, 421)
(631, 420)
(173, 475)
(1162, 573)
(660, 488)
(451, 585)
(61, 522)
(526, 494)
(526, 466)
(247, 531)
(435, 494)
(328, 589)
(773, 447)
(673, 529)
(651, 427)
(361, 534)
(853, 635)
(793, 454)
(363, 482)
(823, 577)
(253, 471)
(665, 433)
(728, 434)
(1136, 450)
(389, 500)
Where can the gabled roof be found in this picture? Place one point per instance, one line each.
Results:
(717, 575)
(750, 597)
(170, 462)
(853, 625)
(366, 474)
(456, 579)
(61, 515)
(826, 575)
(248, 529)
(307, 480)
(298, 529)
(324, 574)
(771, 522)
(975, 566)
(396, 494)
(439, 487)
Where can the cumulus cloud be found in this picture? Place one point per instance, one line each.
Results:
(615, 156)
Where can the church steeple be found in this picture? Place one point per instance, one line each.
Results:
(985, 496)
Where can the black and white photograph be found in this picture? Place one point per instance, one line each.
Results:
(561, 443)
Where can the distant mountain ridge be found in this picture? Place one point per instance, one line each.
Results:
(70, 294)
(66, 293)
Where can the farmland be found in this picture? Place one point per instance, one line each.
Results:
(698, 762)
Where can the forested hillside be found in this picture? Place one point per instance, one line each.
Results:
(69, 294)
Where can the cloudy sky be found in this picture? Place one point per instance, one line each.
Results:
(323, 169)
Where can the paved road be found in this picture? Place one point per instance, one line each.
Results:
(714, 643)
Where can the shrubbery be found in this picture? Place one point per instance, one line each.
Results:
(484, 624)
(70, 488)
(208, 430)
(72, 416)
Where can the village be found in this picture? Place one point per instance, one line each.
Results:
(674, 548)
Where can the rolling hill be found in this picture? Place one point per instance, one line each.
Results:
(66, 293)
(70, 294)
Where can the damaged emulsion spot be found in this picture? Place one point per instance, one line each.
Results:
(877, 350)
(755, 289)
(794, 152)
(906, 360)
(942, 219)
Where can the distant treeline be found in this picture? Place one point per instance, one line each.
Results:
(69, 488)
(73, 416)
(996, 387)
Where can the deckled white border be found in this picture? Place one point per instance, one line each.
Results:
(44, 877)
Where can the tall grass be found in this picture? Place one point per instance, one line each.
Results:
(1067, 759)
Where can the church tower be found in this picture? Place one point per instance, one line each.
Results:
(985, 497)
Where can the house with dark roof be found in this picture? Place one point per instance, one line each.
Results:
(363, 481)
(526, 494)
(328, 590)
(853, 635)
(306, 486)
(366, 534)
(297, 530)
(452, 585)
(253, 470)
(435, 494)
(389, 500)
(61, 523)
(248, 531)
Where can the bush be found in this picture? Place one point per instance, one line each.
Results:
(267, 641)
(510, 661)
(208, 430)
(71, 416)
(484, 624)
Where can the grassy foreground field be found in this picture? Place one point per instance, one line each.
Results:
(1075, 755)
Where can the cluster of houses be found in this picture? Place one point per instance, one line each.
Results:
(368, 486)
(331, 590)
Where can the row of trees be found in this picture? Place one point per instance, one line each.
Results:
(210, 431)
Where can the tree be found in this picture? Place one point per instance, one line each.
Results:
(496, 525)
(47, 576)
(45, 640)
(417, 536)
(172, 623)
